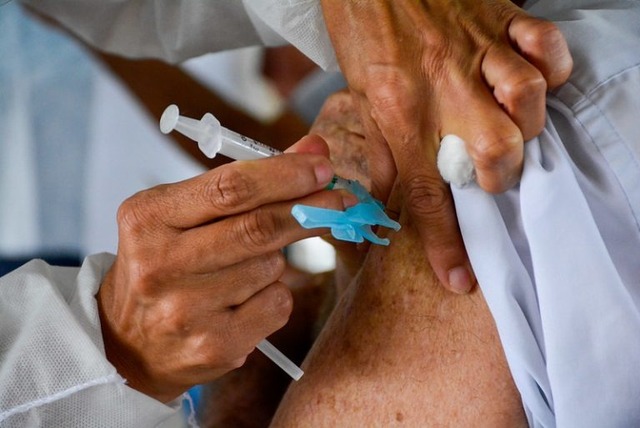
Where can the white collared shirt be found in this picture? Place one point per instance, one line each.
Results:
(558, 257)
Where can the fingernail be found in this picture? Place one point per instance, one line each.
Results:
(460, 280)
(324, 173)
(348, 199)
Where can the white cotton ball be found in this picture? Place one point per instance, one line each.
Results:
(454, 164)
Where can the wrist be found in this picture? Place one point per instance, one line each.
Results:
(119, 351)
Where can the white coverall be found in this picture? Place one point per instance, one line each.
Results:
(53, 370)
(557, 257)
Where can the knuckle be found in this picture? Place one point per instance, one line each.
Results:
(341, 102)
(144, 276)
(132, 214)
(544, 39)
(439, 42)
(222, 340)
(212, 356)
(259, 228)
(393, 97)
(560, 57)
(234, 361)
(497, 161)
(172, 316)
(222, 347)
(143, 212)
(444, 53)
(529, 84)
(273, 266)
(142, 242)
(281, 304)
(228, 188)
(221, 359)
(427, 195)
(544, 34)
(491, 151)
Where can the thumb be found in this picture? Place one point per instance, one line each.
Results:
(310, 144)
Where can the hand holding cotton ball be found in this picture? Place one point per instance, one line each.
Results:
(454, 163)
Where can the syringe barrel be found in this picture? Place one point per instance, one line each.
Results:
(237, 146)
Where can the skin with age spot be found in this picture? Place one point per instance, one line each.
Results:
(400, 349)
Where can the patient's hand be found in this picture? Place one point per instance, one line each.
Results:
(339, 124)
(422, 69)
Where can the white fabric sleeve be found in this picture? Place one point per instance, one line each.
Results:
(173, 30)
(53, 369)
(299, 22)
(176, 30)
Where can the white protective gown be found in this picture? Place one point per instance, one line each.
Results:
(180, 29)
(53, 370)
(557, 258)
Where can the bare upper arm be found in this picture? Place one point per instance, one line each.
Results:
(401, 350)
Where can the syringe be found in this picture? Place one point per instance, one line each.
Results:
(213, 138)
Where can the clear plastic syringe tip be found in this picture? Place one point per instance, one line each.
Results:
(280, 359)
(206, 131)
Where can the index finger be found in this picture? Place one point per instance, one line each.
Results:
(241, 186)
(432, 210)
(427, 197)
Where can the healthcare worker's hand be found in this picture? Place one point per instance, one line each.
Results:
(196, 281)
(422, 69)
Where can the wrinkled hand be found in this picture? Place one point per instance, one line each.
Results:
(339, 124)
(196, 281)
(422, 69)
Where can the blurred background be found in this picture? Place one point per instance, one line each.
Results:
(79, 134)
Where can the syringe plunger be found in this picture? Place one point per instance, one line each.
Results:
(206, 131)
